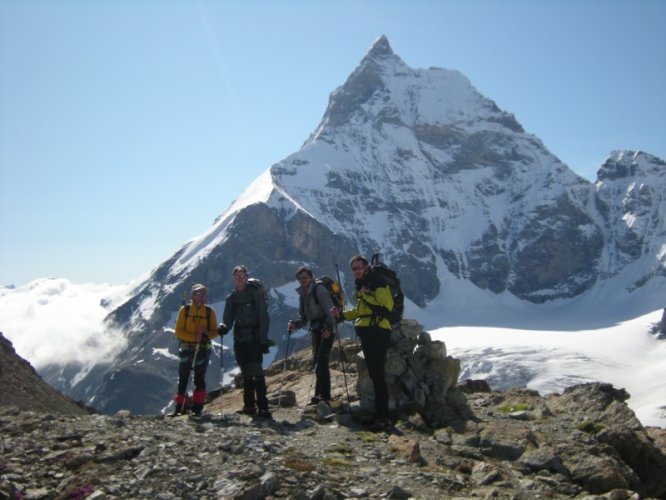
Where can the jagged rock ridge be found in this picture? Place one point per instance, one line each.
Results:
(24, 389)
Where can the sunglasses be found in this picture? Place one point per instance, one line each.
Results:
(201, 292)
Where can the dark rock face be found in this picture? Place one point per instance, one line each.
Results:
(554, 252)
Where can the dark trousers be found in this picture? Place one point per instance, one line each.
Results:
(187, 354)
(321, 353)
(250, 358)
(374, 343)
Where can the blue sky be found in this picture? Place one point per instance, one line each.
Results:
(126, 127)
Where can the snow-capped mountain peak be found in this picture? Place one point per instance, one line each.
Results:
(418, 165)
(383, 87)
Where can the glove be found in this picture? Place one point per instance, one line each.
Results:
(265, 348)
(222, 330)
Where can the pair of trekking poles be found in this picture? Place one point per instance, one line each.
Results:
(314, 369)
(194, 364)
(316, 362)
(189, 372)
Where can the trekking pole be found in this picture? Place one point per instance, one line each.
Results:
(187, 386)
(342, 353)
(221, 371)
(286, 356)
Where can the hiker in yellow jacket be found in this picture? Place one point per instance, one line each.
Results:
(195, 326)
(373, 300)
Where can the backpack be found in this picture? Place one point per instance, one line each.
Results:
(334, 289)
(208, 309)
(391, 279)
(257, 284)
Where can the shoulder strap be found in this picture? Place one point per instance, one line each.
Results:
(208, 309)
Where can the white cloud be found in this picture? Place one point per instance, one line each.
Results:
(55, 322)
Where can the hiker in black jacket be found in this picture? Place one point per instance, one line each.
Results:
(246, 308)
(314, 308)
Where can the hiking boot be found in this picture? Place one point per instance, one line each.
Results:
(381, 424)
(264, 413)
(178, 411)
(314, 401)
(365, 419)
(248, 410)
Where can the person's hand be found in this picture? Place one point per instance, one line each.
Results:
(325, 333)
(335, 313)
(290, 326)
(222, 330)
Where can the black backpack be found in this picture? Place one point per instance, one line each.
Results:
(257, 284)
(391, 279)
(335, 291)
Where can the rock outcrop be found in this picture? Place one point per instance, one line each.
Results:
(419, 375)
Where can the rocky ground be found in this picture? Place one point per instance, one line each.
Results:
(585, 443)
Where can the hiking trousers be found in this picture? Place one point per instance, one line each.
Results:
(321, 353)
(186, 353)
(375, 342)
(250, 358)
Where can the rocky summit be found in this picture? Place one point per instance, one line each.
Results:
(448, 441)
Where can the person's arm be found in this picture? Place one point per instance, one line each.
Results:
(227, 317)
(212, 325)
(352, 313)
(301, 321)
(180, 324)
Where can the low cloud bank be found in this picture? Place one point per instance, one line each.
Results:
(56, 322)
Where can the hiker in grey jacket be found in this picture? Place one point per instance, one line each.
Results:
(315, 306)
(246, 310)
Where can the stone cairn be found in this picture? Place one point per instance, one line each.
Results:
(421, 378)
